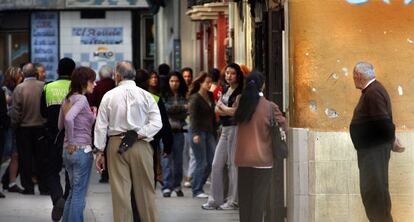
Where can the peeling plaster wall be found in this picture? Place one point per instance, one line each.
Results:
(327, 39)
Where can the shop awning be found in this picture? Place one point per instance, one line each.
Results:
(208, 11)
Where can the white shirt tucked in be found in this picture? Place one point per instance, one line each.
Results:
(127, 107)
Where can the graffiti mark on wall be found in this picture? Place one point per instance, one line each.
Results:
(360, 2)
(331, 113)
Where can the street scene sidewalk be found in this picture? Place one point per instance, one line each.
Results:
(17, 207)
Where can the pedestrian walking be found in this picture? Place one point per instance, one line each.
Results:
(53, 95)
(225, 150)
(203, 131)
(131, 112)
(373, 135)
(254, 148)
(77, 118)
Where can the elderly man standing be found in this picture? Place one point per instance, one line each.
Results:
(105, 84)
(373, 135)
(30, 133)
(124, 108)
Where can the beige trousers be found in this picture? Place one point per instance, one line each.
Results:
(133, 169)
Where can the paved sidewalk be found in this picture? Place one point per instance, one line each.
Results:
(22, 208)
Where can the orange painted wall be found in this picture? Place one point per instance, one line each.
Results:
(327, 38)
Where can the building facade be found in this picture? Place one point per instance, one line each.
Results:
(92, 33)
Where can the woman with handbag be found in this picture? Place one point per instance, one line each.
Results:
(254, 155)
(77, 118)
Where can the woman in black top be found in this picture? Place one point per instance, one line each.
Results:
(224, 155)
(203, 129)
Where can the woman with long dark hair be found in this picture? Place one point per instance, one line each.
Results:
(203, 130)
(153, 84)
(224, 154)
(77, 118)
(254, 147)
(13, 77)
(177, 109)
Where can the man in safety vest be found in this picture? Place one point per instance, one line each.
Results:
(51, 100)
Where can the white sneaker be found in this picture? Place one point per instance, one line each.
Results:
(201, 196)
(227, 206)
(187, 184)
(208, 206)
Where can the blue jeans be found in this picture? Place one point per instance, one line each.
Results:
(78, 165)
(203, 153)
(10, 146)
(172, 165)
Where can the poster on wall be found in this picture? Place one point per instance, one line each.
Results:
(44, 36)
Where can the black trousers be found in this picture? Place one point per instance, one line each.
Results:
(373, 182)
(253, 185)
(32, 148)
(2, 141)
(54, 166)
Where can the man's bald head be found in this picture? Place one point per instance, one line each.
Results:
(29, 70)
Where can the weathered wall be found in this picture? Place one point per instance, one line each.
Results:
(327, 39)
(323, 178)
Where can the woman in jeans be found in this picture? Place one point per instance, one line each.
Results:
(203, 131)
(177, 109)
(254, 148)
(77, 118)
(224, 155)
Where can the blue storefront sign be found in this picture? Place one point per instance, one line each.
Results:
(44, 41)
(101, 36)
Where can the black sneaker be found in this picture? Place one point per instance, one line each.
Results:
(103, 180)
(44, 193)
(179, 193)
(57, 210)
(28, 192)
(2, 195)
(15, 189)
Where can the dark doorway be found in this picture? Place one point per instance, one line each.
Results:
(268, 58)
(14, 39)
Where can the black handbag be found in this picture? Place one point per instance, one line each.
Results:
(128, 141)
(279, 146)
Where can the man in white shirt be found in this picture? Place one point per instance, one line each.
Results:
(128, 107)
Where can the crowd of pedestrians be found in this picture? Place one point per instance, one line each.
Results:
(177, 128)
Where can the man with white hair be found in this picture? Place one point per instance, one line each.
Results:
(373, 135)
(129, 112)
(105, 84)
